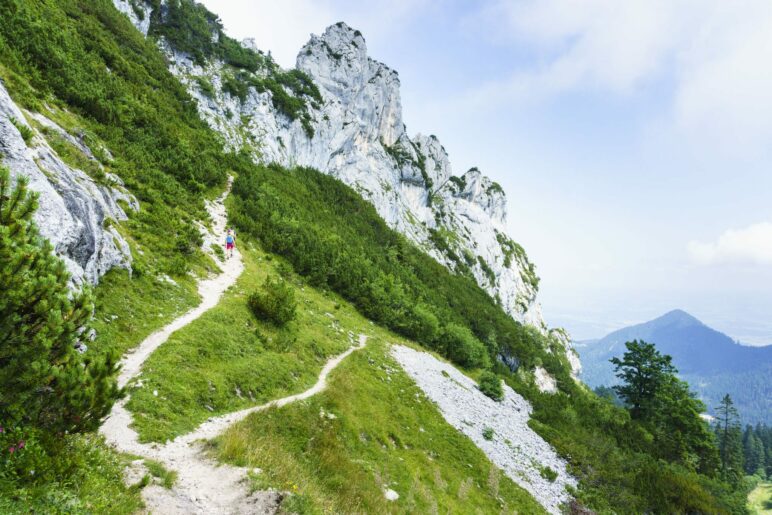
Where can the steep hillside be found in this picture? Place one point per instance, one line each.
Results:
(710, 361)
(339, 112)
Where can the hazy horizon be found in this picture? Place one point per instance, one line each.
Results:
(632, 139)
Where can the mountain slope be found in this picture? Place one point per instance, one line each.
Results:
(348, 123)
(83, 65)
(710, 361)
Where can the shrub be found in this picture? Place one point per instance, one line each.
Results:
(276, 302)
(26, 132)
(548, 474)
(490, 385)
(45, 382)
(488, 433)
(461, 346)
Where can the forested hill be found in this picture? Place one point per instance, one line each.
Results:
(711, 361)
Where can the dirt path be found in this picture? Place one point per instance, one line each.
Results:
(202, 486)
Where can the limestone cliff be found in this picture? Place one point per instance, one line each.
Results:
(356, 134)
(75, 209)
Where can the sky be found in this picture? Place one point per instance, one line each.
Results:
(633, 139)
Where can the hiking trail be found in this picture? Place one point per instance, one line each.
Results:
(203, 486)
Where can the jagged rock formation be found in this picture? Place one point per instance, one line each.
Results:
(75, 210)
(356, 134)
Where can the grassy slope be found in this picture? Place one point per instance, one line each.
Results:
(202, 365)
(760, 499)
(371, 429)
(339, 463)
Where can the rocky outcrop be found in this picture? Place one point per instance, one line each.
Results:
(75, 211)
(359, 137)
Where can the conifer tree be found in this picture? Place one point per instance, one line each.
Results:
(643, 371)
(729, 441)
(45, 383)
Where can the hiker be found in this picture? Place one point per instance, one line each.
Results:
(230, 242)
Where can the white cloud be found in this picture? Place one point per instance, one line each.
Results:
(752, 244)
(714, 56)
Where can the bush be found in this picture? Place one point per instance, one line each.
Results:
(26, 132)
(488, 433)
(45, 383)
(460, 345)
(548, 474)
(275, 303)
(490, 385)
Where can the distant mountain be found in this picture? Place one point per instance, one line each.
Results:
(709, 360)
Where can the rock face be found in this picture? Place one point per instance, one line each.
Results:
(74, 210)
(360, 138)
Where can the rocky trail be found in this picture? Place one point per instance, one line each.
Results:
(202, 485)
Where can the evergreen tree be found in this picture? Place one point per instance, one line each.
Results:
(681, 434)
(753, 452)
(729, 441)
(664, 405)
(45, 383)
(643, 370)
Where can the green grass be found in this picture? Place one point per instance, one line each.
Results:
(157, 470)
(228, 360)
(760, 499)
(129, 309)
(370, 430)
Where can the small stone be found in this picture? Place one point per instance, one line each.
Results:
(390, 495)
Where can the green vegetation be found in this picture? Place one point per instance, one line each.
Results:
(83, 65)
(487, 271)
(730, 444)
(402, 157)
(165, 477)
(293, 106)
(189, 27)
(206, 87)
(495, 187)
(445, 241)
(663, 404)
(548, 474)
(26, 132)
(757, 450)
(335, 240)
(488, 433)
(276, 302)
(227, 360)
(46, 385)
(512, 249)
(458, 182)
(85, 476)
(490, 384)
(72, 155)
(370, 430)
(50, 394)
(760, 499)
